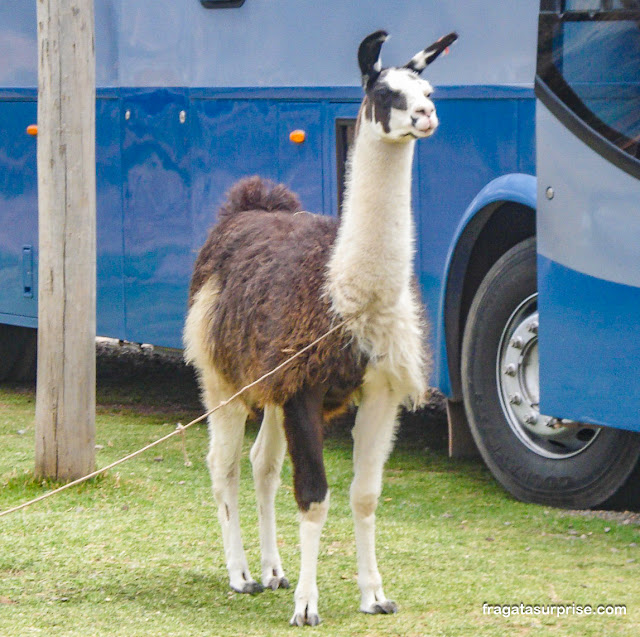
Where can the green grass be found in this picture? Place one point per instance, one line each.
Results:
(138, 552)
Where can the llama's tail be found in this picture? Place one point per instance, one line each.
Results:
(255, 193)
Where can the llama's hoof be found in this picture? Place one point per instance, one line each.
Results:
(382, 608)
(251, 588)
(305, 619)
(278, 582)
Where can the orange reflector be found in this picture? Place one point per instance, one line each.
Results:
(32, 129)
(297, 136)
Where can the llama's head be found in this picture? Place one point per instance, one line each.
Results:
(397, 103)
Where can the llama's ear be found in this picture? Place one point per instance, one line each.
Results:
(369, 57)
(422, 59)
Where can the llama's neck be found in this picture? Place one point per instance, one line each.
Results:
(372, 259)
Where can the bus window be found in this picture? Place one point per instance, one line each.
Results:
(221, 4)
(589, 57)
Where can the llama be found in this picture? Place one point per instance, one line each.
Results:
(268, 282)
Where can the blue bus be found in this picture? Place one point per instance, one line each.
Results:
(526, 201)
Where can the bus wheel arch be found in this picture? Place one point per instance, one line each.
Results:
(491, 232)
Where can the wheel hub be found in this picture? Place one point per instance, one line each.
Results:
(519, 390)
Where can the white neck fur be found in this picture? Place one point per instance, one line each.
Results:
(371, 264)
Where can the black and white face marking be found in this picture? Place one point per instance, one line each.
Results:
(380, 101)
(397, 102)
(399, 106)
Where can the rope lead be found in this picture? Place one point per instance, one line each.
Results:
(180, 429)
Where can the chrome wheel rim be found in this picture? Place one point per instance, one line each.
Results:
(517, 373)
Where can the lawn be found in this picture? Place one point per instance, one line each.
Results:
(138, 552)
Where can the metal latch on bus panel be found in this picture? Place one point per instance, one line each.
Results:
(27, 271)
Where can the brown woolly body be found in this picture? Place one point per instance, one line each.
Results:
(268, 266)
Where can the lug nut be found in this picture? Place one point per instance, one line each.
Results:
(510, 370)
(517, 342)
(533, 327)
(515, 399)
(531, 419)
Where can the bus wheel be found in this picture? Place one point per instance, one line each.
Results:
(17, 353)
(535, 457)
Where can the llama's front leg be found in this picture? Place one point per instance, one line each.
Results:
(226, 429)
(304, 430)
(373, 436)
(267, 455)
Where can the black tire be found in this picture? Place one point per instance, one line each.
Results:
(582, 480)
(18, 353)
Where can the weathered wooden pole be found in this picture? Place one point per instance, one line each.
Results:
(65, 396)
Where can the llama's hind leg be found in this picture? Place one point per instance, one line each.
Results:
(267, 455)
(304, 429)
(373, 436)
(226, 430)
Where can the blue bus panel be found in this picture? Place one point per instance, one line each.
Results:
(590, 345)
(588, 281)
(18, 205)
(191, 99)
(588, 123)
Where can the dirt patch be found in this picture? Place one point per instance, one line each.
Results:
(621, 517)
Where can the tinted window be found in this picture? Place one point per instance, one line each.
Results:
(589, 57)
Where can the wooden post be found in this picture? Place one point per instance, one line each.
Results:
(65, 396)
